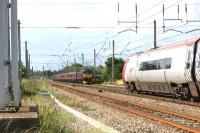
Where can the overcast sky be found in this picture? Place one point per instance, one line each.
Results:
(46, 26)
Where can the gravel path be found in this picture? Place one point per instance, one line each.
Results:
(119, 120)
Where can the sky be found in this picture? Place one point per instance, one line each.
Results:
(60, 31)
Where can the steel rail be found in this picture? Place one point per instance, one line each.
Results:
(133, 111)
(169, 112)
(118, 90)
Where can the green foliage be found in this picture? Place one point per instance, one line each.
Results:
(73, 67)
(107, 74)
(89, 67)
(22, 70)
(99, 74)
(48, 73)
(118, 68)
(52, 119)
(29, 88)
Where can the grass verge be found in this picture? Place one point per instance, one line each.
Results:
(52, 118)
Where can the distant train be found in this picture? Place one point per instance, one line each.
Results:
(84, 76)
(170, 69)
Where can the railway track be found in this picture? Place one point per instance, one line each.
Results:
(121, 90)
(178, 120)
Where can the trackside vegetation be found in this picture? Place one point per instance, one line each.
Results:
(52, 118)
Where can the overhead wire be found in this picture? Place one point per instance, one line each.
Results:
(167, 8)
(116, 27)
(153, 14)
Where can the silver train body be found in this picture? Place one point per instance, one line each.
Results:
(171, 69)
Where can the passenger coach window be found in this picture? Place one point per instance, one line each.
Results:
(168, 63)
(155, 64)
(161, 64)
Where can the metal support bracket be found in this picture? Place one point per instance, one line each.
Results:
(171, 19)
(136, 20)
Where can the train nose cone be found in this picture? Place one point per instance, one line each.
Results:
(124, 69)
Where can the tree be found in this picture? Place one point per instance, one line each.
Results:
(22, 70)
(89, 67)
(119, 63)
(72, 68)
(100, 70)
(48, 73)
(118, 68)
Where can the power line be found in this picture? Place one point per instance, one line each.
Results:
(100, 27)
(65, 27)
(118, 25)
(90, 3)
(160, 11)
(150, 16)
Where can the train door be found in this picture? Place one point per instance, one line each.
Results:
(190, 68)
(138, 73)
(197, 65)
(197, 70)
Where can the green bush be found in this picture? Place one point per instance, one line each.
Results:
(29, 87)
(52, 118)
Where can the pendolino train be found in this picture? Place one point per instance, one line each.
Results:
(171, 69)
(84, 76)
